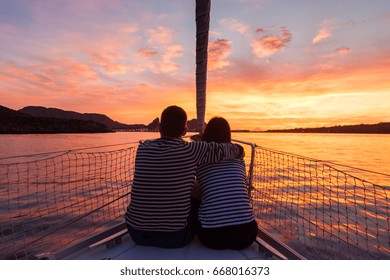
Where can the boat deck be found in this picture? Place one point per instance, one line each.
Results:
(128, 250)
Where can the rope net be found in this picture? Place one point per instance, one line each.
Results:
(52, 202)
(319, 210)
(56, 200)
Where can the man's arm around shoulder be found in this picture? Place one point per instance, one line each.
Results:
(216, 152)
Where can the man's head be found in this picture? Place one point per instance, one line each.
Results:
(173, 122)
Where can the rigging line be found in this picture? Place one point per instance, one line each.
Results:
(65, 225)
(357, 168)
(322, 161)
(52, 155)
(69, 151)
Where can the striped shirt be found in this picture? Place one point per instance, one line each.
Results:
(225, 200)
(164, 178)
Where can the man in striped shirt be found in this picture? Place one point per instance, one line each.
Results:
(160, 213)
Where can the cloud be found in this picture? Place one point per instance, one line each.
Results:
(214, 34)
(49, 78)
(173, 51)
(325, 32)
(12, 74)
(7, 30)
(342, 51)
(235, 25)
(270, 44)
(110, 62)
(218, 51)
(65, 74)
(166, 65)
(334, 60)
(160, 35)
(157, 62)
(132, 28)
(158, 56)
(146, 52)
(260, 30)
(160, 61)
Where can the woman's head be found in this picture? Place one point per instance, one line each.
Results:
(217, 130)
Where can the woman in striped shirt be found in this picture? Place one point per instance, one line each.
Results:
(225, 214)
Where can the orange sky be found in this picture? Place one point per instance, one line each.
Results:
(272, 64)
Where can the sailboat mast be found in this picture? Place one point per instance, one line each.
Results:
(202, 18)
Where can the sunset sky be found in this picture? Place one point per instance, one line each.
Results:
(272, 64)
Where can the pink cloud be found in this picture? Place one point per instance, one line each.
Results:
(260, 30)
(146, 52)
(128, 28)
(55, 76)
(160, 35)
(334, 60)
(166, 65)
(325, 32)
(163, 61)
(343, 51)
(218, 51)
(270, 44)
(157, 62)
(19, 77)
(76, 70)
(66, 84)
(7, 30)
(235, 25)
(110, 62)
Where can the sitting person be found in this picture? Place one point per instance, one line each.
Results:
(159, 213)
(225, 215)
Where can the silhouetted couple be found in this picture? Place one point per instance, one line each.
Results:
(163, 212)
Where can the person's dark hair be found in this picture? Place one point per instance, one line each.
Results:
(217, 130)
(173, 122)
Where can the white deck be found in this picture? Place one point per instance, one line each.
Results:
(128, 250)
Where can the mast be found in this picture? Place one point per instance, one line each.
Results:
(202, 17)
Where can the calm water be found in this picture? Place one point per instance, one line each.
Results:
(364, 151)
(369, 152)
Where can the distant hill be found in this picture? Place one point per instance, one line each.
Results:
(153, 126)
(380, 128)
(192, 125)
(14, 122)
(26, 122)
(38, 111)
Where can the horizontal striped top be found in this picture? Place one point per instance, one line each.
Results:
(225, 200)
(164, 178)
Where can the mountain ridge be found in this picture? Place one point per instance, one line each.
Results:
(39, 119)
(15, 122)
(379, 128)
(40, 111)
(110, 125)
